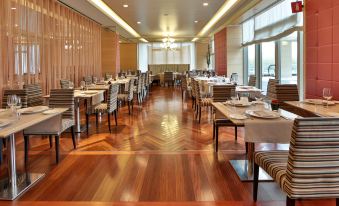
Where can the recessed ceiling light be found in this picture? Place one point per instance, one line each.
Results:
(138, 22)
(13, 8)
(125, 5)
(205, 4)
(196, 21)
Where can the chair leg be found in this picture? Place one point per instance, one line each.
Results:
(57, 152)
(50, 141)
(290, 202)
(213, 130)
(246, 146)
(26, 138)
(129, 108)
(236, 132)
(255, 181)
(115, 117)
(96, 118)
(109, 122)
(337, 201)
(1, 146)
(87, 123)
(216, 138)
(73, 137)
(199, 114)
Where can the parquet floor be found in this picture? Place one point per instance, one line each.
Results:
(159, 155)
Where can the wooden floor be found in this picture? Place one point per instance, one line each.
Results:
(159, 155)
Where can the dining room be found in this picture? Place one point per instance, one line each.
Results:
(169, 102)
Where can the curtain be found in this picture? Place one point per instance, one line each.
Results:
(42, 41)
(272, 24)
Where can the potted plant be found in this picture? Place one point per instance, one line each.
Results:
(275, 105)
(208, 57)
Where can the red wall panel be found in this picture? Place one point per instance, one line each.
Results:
(220, 51)
(322, 47)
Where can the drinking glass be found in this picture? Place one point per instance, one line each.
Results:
(18, 107)
(327, 94)
(82, 85)
(12, 101)
(95, 80)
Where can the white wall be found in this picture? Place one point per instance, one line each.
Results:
(235, 52)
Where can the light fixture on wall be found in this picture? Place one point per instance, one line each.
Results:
(168, 43)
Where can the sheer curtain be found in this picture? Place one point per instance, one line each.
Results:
(44, 41)
(153, 53)
(272, 24)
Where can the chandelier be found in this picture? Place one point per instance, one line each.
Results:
(168, 43)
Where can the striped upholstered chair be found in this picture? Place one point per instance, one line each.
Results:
(65, 83)
(22, 93)
(200, 100)
(110, 107)
(271, 89)
(88, 80)
(128, 97)
(252, 81)
(310, 169)
(138, 89)
(222, 93)
(59, 98)
(287, 92)
(34, 92)
(184, 86)
(108, 76)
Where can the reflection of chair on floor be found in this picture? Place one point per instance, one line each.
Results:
(310, 169)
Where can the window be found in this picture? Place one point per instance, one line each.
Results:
(27, 59)
(289, 59)
(267, 63)
(251, 60)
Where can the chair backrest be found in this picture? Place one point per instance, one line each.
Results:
(271, 88)
(313, 160)
(222, 93)
(112, 97)
(184, 85)
(144, 79)
(193, 87)
(168, 76)
(22, 93)
(197, 91)
(34, 92)
(108, 76)
(65, 84)
(130, 89)
(88, 80)
(252, 81)
(139, 84)
(287, 92)
(63, 98)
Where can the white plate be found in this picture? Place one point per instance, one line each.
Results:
(265, 114)
(238, 103)
(32, 110)
(319, 102)
(50, 111)
(238, 116)
(90, 92)
(5, 122)
(258, 102)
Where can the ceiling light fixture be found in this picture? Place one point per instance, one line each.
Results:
(144, 40)
(125, 5)
(220, 13)
(196, 21)
(13, 8)
(99, 4)
(205, 4)
(138, 22)
(168, 43)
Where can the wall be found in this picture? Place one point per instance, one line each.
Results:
(110, 52)
(200, 54)
(128, 56)
(220, 45)
(322, 47)
(234, 52)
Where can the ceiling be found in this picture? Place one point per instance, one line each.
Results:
(160, 18)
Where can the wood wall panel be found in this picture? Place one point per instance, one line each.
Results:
(220, 45)
(110, 52)
(201, 52)
(129, 56)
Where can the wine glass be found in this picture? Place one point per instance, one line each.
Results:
(327, 94)
(71, 85)
(95, 80)
(11, 101)
(18, 106)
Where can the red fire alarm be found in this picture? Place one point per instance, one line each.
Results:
(297, 6)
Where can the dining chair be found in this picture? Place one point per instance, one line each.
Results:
(138, 89)
(200, 101)
(310, 169)
(271, 89)
(108, 76)
(144, 86)
(110, 107)
(34, 92)
(128, 97)
(88, 80)
(59, 98)
(252, 81)
(168, 78)
(287, 92)
(185, 89)
(193, 93)
(222, 93)
(65, 83)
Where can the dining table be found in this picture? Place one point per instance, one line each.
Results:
(318, 107)
(274, 129)
(18, 183)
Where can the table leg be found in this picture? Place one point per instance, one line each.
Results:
(77, 113)
(250, 158)
(15, 185)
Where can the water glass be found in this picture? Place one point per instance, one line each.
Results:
(327, 94)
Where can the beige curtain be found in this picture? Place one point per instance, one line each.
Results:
(43, 41)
